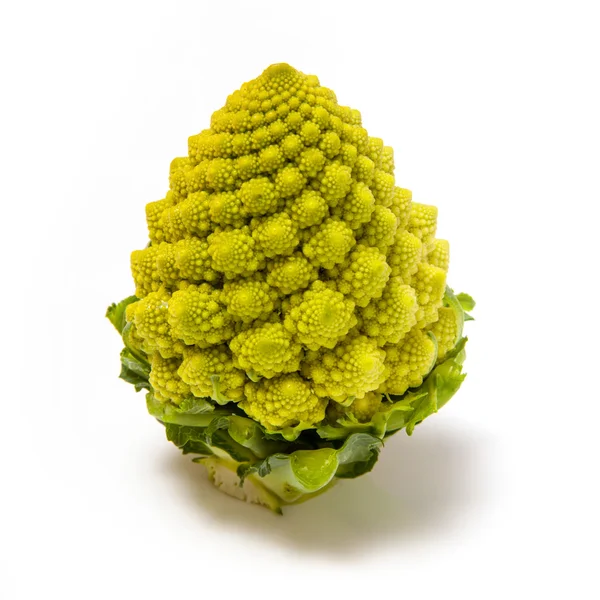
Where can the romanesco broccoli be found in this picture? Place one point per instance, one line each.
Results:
(292, 298)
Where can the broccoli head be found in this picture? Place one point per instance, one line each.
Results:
(291, 297)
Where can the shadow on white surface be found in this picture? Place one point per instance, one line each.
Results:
(421, 486)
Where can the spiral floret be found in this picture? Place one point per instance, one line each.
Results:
(364, 275)
(291, 273)
(423, 221)
(439, 254)
(320, 317)
(446, 330)
(350, 370)
(165, 381)
(380, 230)
(329, 244)
(144, 271)
(275, 235)
(389, 318)
(283, 401)
(249, 299)
(194, 262)
(404, 255)
(308, 209)
(266, 350)
(358, 206)
(198, 316)
(408, 362)
(363, 409)
(210, 372)
(429, 283)
(150, 318)
(259, 196)
(234, 252)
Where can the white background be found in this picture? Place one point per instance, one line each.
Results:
(493, 112)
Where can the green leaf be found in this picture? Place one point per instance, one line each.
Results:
(423, 406)
(466, 301)
(130, 362)
(135, 352)
(468, 317)
(189, 439)
(140, 382)
(116, 313)
(448, 378)
(250, 434)
(195, 412)
(358, 455)
(290, 433)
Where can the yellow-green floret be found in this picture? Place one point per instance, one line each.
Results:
(401, 204)
(226, 208)
(320, 317)
(259, 196)
(283, 401)
(195, 213)
(234, 252)
(291, 273)
(194, 262)
(364, 408)
(198, 316)
(380, 230)
(389, 318)
(439, 254)
(286, 270)
(154, 212)
(308, 209)
(266, 350)
(423, 221)
(404, 255)
(275, 235)
(357, 207)
(364, 275)
(149, 315)
(174, 226)
(210, 372)
(166, 265)
(335, 183)
(408, 362)
(329, 244)
(144, 271)
(350, 370)
(429, 283)
(446, 330)
(165, 381)
(249, 299)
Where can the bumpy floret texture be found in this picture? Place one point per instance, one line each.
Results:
(249, 299)
(364, 408)
(389, 318)
(364, 275)
(350, 370)
(210, 373)
(266, 350)
(408, 362)
(283, 401)
(320, 317)
(286, 270)
(198, 316)
(446, 330)
(165, 381)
